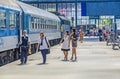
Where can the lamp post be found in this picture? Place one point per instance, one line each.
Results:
(72, 19)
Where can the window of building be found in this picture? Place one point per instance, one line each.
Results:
(118, 23)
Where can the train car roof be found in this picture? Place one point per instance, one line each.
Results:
(35, 11)
(9, 4)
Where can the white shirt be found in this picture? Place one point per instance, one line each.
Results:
(44, 44)
(65, 43)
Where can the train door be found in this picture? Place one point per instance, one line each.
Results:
(13, 29)
(18, 28)
(14, 32)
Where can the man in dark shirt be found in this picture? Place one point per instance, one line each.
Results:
(25, 45)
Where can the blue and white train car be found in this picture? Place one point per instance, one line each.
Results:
(16, 16)
(9, 25)
(36, 20)
(65, 25)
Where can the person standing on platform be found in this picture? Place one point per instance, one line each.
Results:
(74, 43)
(112, 34)
(25, 46)
(65, 45)
(43, 46)
(81, 36)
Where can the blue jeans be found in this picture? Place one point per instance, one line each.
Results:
(44, 55)
(24, 54)
(112, 39)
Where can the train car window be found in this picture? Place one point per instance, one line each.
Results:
(32, 23)
(35, 23)
(12, 20)
(54, 26)
(52, 22)
(2, 20)
(47, 26)
(46, 22)
(58, 23)
(38, 23)
(38, 26)
(51, 26)
(41, 26)
(44, 26)
(32, 26)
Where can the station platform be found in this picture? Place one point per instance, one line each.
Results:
(95, 60)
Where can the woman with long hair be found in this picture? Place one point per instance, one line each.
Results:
(74, 44)
(43, 46)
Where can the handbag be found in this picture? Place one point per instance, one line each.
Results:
(29, 52)
(47, 50)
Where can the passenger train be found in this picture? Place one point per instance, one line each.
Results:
(16, 16)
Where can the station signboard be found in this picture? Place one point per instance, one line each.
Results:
(94, 17)
(117, 17)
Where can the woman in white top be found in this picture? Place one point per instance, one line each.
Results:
(65, 45)
(43, 46)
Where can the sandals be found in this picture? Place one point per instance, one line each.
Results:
(71, 58)
(75, 58)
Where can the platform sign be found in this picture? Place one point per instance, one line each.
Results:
(117, 17)
(94, 17)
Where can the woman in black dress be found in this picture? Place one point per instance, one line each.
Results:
(74, 43)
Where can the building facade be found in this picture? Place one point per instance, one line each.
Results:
(83, 12)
